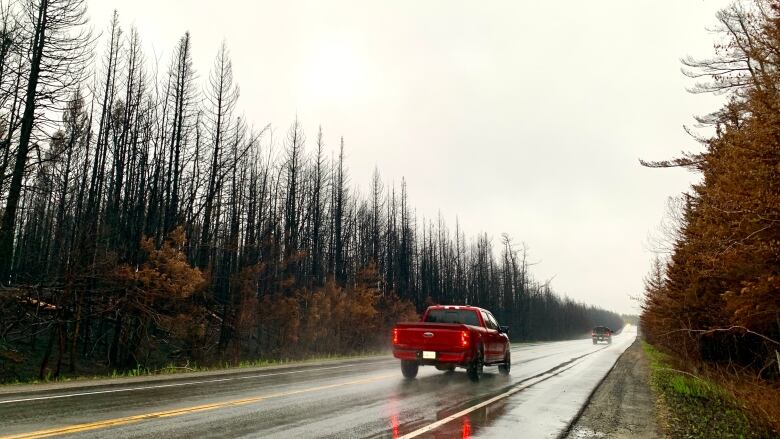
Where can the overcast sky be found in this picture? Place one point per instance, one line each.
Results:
(524, 117)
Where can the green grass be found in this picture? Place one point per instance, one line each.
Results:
(696, 407)
(172, 369)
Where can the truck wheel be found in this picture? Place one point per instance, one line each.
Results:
(474, 370)
(594, 341)
(506, 366)
(409, 368)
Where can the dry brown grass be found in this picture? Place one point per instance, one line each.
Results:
(759, 396)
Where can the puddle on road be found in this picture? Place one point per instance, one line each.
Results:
(461, 393)
(469, 425)
(464, 427)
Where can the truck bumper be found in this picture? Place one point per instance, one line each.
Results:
(456, 358)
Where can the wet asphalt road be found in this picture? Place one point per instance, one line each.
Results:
(365, 398)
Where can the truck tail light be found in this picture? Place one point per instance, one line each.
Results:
(464, 338)
(395, 335)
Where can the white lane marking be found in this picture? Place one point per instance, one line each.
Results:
(188, 383)
(506, 394)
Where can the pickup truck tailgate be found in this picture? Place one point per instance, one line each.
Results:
(431, 336)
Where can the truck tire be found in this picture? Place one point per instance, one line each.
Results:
(504, 368)
(594, 341)
(474, 370)
(409, 368)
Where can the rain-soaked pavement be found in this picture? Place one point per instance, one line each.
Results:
(368, 398)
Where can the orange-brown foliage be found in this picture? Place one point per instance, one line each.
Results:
(158, 293)
(330, 319)
(717, 299)
(166, 274)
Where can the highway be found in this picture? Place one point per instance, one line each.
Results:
(356, 398)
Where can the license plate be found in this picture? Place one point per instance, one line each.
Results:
(429, 355)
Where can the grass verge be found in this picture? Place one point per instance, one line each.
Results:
(694, 407)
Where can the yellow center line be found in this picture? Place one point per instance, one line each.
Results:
(76, 428)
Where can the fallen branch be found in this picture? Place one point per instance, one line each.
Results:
(731, 328)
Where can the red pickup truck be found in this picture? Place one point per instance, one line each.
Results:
(451, 336)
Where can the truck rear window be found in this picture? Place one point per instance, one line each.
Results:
(462, 316)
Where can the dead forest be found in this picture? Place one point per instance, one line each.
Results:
(144, 222)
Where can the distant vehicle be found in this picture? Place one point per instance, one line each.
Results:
(452, 336)
(601, 333)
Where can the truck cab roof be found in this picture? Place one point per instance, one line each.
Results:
(464, 307)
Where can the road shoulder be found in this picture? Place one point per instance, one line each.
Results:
(623, 405)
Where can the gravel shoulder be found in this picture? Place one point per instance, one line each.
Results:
(623, 406)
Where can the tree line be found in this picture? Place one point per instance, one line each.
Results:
(715, 301)
(145, 221)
